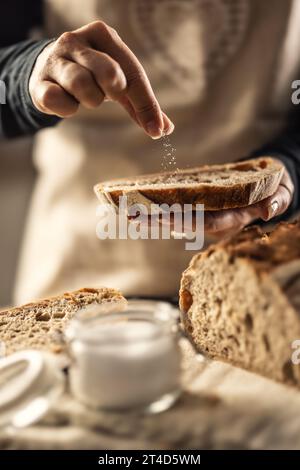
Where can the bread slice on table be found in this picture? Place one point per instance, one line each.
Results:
(40, 325)
(240, 301)
(217, 186)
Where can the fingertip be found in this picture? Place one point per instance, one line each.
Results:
(170, 129)
(169, 126)
(154, 130)
(271, 210)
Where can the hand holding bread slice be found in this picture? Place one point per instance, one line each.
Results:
(233, 194)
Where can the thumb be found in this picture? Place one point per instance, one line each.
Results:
(276, 204)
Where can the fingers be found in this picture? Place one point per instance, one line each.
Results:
(92, 64)
(112, 81)
(124, 101)
(78, 82)
(279, 202)
(139, 91)
(224, 223)
(275, 205)
(50, 98)
(168, 125)
(229, 221)
(106, 71)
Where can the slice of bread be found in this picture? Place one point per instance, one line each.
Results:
(240, 301)
(40, 325)
(217, 186)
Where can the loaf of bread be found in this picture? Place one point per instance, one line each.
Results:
(240, 301)
(217, 186)
(40, 325)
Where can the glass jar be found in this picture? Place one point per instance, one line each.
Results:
(126, 361)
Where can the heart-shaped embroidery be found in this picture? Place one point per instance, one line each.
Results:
(190, 40)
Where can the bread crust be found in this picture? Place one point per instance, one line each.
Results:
(41, 324)
(240, 301)
(214, 197)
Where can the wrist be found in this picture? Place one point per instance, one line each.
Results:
(36, 118)
(35, 73)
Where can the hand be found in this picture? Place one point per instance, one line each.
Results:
(90, 65)
(224, 223)
(227, 222)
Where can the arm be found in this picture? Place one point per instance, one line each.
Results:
(18, 116)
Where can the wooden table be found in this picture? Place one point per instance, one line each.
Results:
(221, 407)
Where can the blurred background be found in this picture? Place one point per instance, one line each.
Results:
(223, 73)
(16, 183)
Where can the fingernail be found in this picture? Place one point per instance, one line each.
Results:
(170, 129)
(272, 209)
(154, 130)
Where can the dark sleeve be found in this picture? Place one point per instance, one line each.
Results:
(286, 147)
(18, 116)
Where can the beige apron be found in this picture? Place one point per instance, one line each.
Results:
(217, 69)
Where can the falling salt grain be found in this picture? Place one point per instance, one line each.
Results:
(169, 157)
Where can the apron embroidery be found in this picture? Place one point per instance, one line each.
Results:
(206, 33)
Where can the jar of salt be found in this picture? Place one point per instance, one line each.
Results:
(127, 361)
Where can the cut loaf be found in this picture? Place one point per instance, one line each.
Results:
(240, 301)
(40, 325)
(217, 186)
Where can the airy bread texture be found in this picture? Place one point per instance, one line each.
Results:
(40, 325)
(217, 186)
(240, 301)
